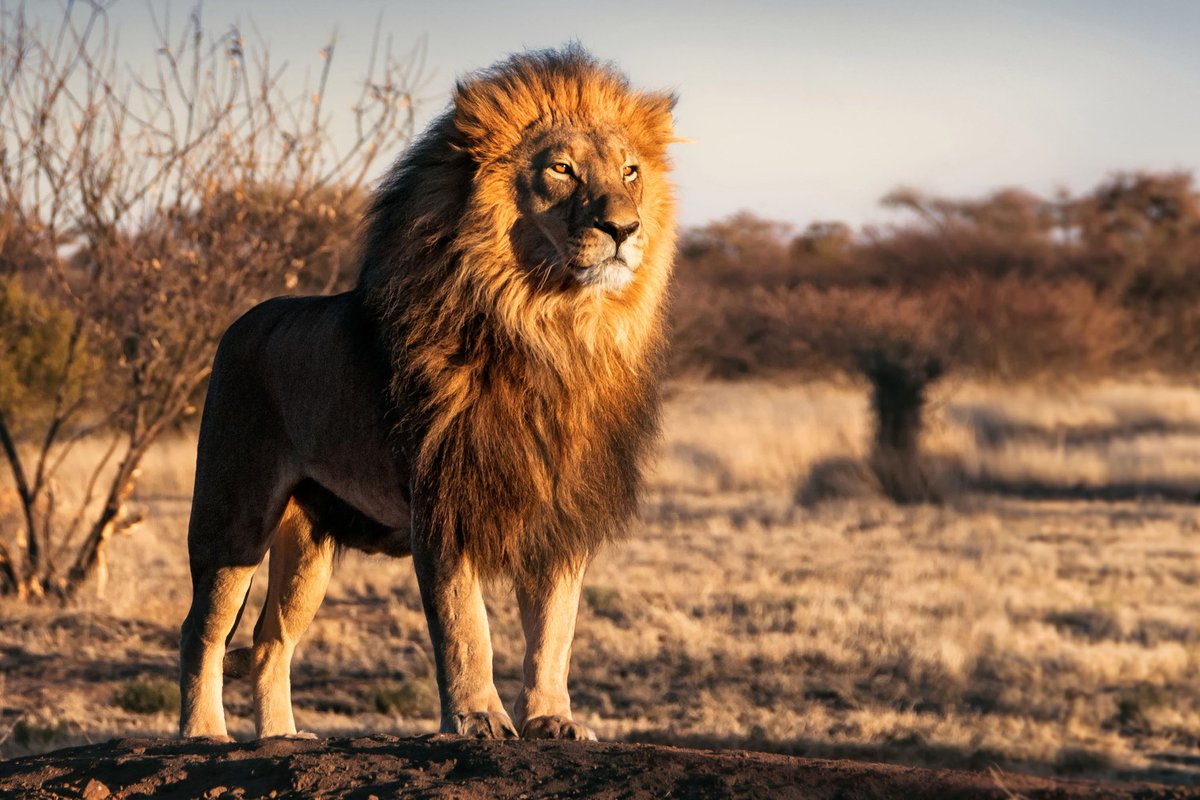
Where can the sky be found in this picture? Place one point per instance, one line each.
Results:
(804, 111)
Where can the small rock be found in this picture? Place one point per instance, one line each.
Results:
(216, 791)
(95, 790)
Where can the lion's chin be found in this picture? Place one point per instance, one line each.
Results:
(610, 275)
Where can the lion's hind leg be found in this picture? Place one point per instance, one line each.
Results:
(233, 520)
(217, 598)
(300, 567)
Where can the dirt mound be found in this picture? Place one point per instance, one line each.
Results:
(450, 767)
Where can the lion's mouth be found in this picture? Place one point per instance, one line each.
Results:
(611, 274)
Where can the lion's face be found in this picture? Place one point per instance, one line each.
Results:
(579, 195)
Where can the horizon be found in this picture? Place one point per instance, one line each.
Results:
(858, 99)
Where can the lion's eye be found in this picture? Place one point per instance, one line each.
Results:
(561, 167)
(630, 172)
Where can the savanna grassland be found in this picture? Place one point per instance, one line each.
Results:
(1041, 618)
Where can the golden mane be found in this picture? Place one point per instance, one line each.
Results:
(525, 409)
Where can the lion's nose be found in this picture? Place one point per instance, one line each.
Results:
(619, 231)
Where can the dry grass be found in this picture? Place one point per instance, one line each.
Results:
(1046, 635)
(1116, 439)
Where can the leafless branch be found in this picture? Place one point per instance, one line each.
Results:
(154, 209)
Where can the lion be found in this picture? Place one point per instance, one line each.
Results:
(481, 401)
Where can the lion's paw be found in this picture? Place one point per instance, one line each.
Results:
(554, 727)
(483, 725)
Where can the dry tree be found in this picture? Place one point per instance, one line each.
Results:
(139, 213)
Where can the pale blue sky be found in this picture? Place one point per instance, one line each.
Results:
(814, 110)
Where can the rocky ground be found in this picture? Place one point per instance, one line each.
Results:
(448, 767)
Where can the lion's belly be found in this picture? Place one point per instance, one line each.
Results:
(347, 452)
(361, 473)
(383, 503)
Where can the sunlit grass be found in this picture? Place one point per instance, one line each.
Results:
(1052, 635)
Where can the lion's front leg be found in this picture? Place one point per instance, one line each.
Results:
(462, 647)
(548, 616)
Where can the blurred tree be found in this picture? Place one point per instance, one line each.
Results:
(1133, 212)
(741, 250)
(1139, 234)
(833, 240)
(900, 378)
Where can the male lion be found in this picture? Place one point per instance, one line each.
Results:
(481, 400)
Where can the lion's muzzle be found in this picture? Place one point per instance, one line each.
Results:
(619, 231)
(615, 214)
(611, 250)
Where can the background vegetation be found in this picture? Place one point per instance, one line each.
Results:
(1011, 285)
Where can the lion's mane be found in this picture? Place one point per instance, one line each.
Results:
(525, 411)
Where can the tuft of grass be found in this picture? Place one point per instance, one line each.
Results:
(148, 696)
(604, 601)
(407, 698)
(39, 734)
(1134, 705)
(1078, 761)
(1091, 624)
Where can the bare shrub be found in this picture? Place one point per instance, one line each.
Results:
(147, 212)
(1014, 328)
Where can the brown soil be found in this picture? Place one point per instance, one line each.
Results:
(449, 767)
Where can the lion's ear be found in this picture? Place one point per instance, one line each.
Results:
(665, 100)
(653, 120)
(483, 116)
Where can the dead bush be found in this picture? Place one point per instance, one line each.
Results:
(147, 212)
